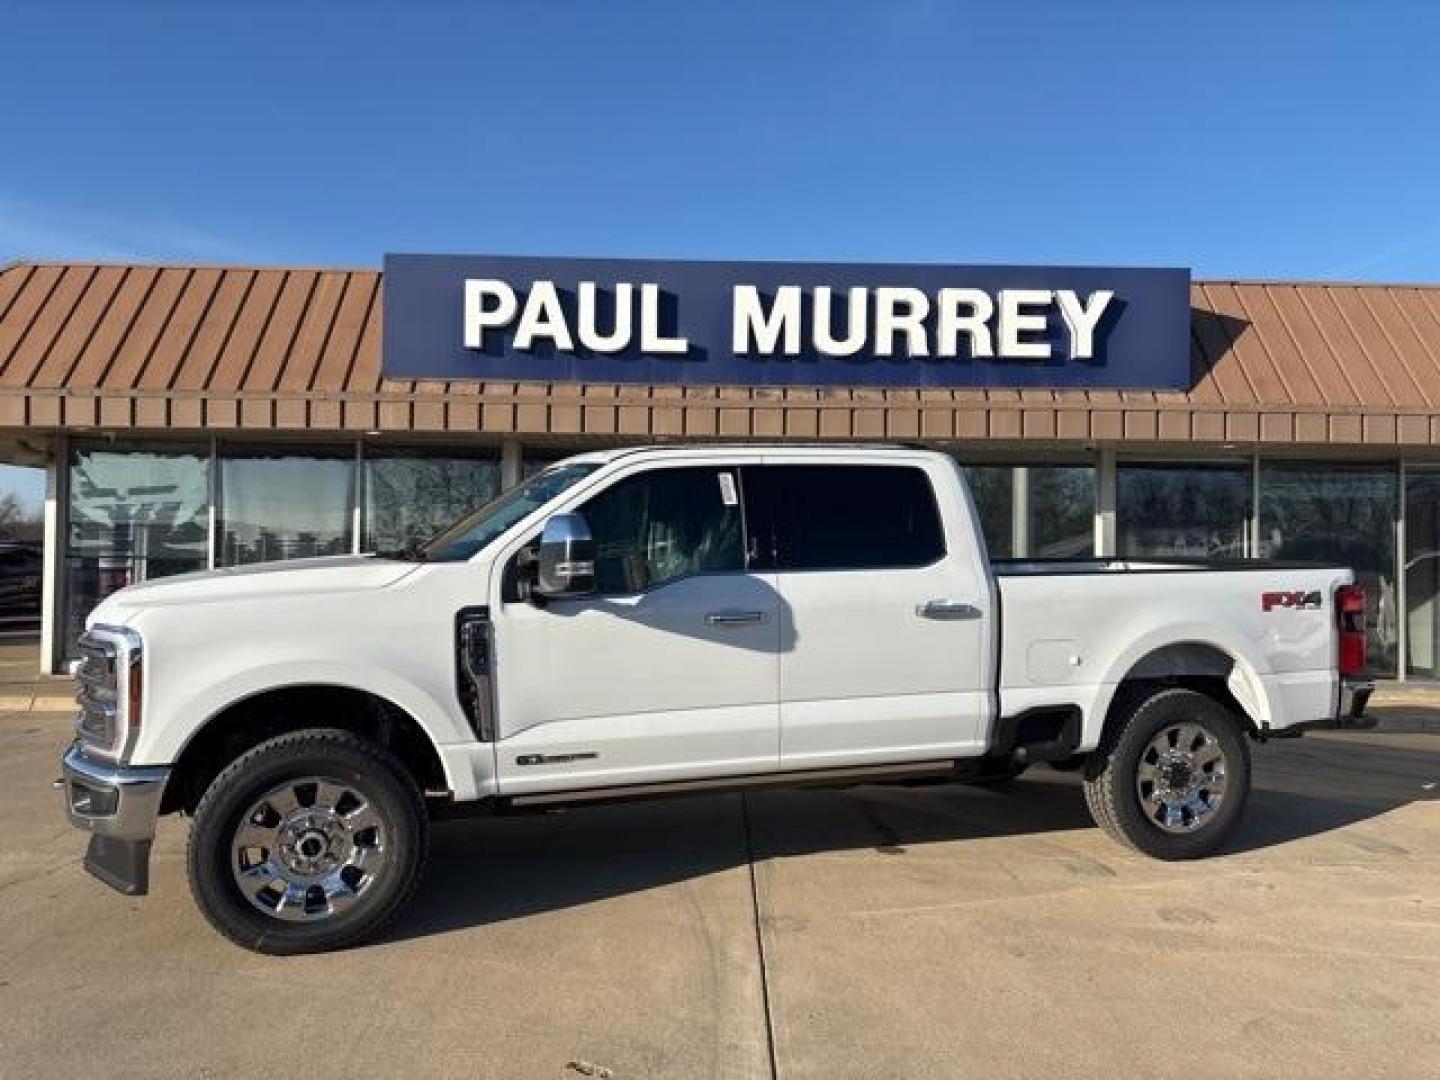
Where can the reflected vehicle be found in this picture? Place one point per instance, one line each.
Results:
(20, 578)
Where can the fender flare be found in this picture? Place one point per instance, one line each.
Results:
(218, 698)
(1250, 676)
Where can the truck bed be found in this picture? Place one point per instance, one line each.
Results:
(1073, 629)
(1031, 567)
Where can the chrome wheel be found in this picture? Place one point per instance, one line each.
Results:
(1181, 777)
(307, 849)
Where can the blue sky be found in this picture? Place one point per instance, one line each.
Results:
(1242, 139)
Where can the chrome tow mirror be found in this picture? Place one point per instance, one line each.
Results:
(566, 563)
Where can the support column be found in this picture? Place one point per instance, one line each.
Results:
(52, 589)
(1402, 604)
(212, 493)
(510, 463)
(1105, 544)
(1256, 551)
(1020, 511)
(357, 509)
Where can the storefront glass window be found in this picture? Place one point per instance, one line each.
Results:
(134, 515)
(992, 489)
(1422, 572)
(22, 548)
(1323, 511)
(1182, 510)
(279, 505)
(1057, 503)
(409, 497)
(1061, 511)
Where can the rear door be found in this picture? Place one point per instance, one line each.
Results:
(884, 611)
(669, 671)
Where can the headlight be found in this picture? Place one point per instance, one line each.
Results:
(110, 675)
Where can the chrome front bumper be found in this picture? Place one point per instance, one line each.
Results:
(118, 805)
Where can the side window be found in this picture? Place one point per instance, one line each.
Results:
(852, 517)
(666, 524)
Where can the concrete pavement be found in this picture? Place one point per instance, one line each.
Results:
(943, 931)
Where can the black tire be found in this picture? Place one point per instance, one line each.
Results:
(398, 839)
(1114, 780)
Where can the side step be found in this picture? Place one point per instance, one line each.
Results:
(839, 777)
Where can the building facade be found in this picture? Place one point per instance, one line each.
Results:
(194, 417)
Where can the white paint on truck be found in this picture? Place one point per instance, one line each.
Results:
(770, 667)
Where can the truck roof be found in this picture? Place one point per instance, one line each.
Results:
(603, 457)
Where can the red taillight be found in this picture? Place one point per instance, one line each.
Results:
(1350, 619)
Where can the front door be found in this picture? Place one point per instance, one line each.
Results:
(669, 671)
(885, 613)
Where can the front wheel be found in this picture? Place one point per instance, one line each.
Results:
(1172, 779)
(310, 841)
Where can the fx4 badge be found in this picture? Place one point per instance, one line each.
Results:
(1295, 600)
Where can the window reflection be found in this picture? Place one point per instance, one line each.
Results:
(410, 497)
(1345, 514)
(1062, 511)
(1188, 510)
(992, 490)
(133, 515)
(1422, 572)
(1057, 501)
(277, 505)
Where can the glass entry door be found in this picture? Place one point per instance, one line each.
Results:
(1422, 572)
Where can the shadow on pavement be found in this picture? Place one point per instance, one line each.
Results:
(490, 870)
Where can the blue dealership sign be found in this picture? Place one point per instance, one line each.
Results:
(785, 324)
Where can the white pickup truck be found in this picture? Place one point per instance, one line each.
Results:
(651, 620)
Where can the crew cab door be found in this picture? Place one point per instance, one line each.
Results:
(669, 671)
(885, 611)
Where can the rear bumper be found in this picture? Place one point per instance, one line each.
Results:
(118, 806)
(1349, 714)
(1354, 697)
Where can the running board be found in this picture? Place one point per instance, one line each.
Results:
(854, 774)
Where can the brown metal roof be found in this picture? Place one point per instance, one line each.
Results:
(285, 349)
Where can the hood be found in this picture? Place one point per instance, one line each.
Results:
(290, 579)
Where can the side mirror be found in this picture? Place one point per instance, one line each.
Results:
(566, 564)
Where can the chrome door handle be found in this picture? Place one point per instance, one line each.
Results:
(735, 618)
(947, 609)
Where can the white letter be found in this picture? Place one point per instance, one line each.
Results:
(889, 321)
(749, 322)
(543, 317)
(651, 340)
(973, 324)
(617, 340)
(1081, 320)
(856, 323)
(477, 319)
(1013, 323)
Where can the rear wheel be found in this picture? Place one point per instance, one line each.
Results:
(1172, 778)
(308, 842)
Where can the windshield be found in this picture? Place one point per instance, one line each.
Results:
(475, 530)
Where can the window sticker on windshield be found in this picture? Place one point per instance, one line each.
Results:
(727, 490)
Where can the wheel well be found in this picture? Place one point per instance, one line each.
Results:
(248, 723)
(1205, 669)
